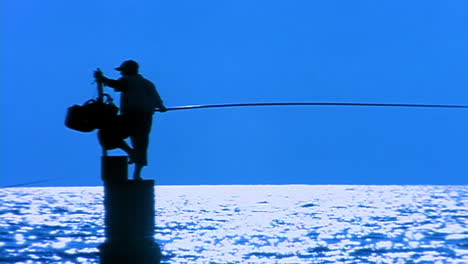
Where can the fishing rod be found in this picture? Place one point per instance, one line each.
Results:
(191, 107)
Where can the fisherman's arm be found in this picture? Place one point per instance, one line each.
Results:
(158, 101)
(119, 85)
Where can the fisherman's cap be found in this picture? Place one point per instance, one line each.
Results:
(128, 65)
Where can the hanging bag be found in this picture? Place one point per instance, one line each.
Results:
(93, 114)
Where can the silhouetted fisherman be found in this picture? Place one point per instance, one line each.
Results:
(138, 101)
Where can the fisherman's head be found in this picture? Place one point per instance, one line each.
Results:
(128, 67)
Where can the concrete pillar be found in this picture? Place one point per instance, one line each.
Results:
(129, 216)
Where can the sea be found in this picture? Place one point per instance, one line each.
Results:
(249, 224)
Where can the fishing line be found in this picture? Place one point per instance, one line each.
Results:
(29, 183)
(191, 107)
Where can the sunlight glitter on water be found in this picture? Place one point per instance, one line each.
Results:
(249, 224)
(330, 223)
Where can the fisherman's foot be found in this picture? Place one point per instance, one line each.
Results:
(138, 178)
(137, 172)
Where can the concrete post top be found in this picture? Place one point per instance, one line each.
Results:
(141, 182)
(132, 183)
(114, 171)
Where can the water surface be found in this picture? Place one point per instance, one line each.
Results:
(249, 224)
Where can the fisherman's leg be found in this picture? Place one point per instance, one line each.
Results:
(130, 152)
(140, 142)
(140, 146)
(141, 157)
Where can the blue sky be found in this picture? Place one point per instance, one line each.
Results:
(208, 52)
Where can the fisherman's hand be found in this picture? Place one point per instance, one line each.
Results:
(162, 109)
(98, 75)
